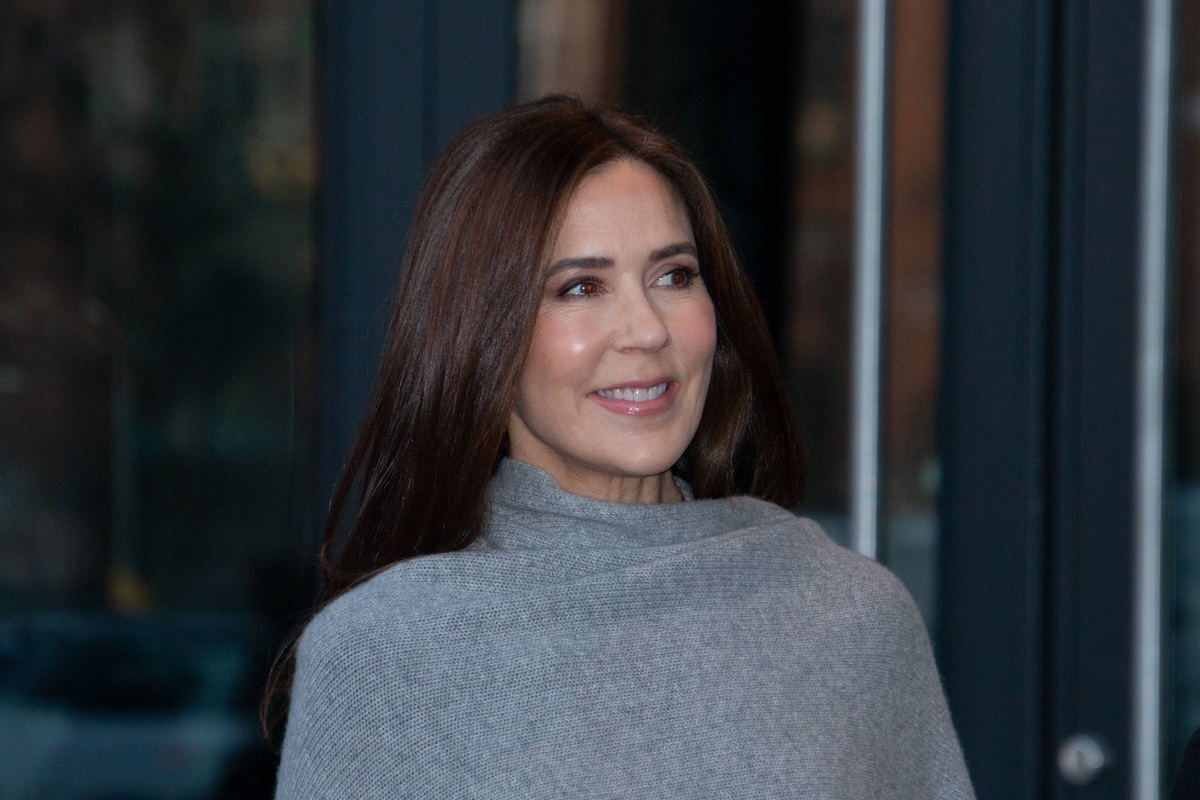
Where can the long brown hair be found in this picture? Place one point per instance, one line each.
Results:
(435, 429)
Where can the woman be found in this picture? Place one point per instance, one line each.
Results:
(569, 570)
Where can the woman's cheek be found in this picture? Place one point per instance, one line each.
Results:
(577, 331)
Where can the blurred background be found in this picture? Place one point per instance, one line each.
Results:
(202, 208)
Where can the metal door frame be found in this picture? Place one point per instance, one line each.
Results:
(1055, 222)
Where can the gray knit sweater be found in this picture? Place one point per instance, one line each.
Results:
(581, 649)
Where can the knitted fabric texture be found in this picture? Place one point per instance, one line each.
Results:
(710, 648)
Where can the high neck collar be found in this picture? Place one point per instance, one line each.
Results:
(530, 510)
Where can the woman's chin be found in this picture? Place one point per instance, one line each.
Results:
(645, 466)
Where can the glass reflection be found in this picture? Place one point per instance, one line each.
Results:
(155, 392)
(817, 354)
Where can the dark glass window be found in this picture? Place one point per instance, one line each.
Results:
(156, 398)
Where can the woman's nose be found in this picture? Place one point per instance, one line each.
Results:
(641, 324)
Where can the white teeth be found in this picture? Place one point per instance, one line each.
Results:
(633, 395)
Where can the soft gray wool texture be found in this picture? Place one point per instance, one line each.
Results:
(582, 649)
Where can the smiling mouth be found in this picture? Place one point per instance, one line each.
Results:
(630, 395)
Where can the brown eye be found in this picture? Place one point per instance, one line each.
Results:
(583, 288)
(678, 278)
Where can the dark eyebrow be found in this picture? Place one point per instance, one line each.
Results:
(583, 262)
(679, 248)
(599, 262)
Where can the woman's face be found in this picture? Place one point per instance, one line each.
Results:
(614, 384)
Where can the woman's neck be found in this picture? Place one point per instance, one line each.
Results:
(637, 489)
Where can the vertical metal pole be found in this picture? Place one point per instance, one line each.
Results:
(869, 228)
(1149, 409)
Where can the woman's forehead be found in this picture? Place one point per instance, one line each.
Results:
(627, 206)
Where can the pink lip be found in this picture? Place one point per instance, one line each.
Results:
(655, 406)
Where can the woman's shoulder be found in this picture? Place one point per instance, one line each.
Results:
(849, 582)
(389, 600)
(858, 576)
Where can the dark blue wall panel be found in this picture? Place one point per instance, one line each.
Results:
(398, 79)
